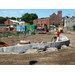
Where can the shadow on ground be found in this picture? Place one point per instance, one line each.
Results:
(32, 62)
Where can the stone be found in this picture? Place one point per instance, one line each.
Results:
(65, 47)
(13, 53)
(70, 45)
(51, 49)
(9, 36)
(31, 51)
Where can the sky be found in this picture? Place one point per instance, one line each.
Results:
(40, 12)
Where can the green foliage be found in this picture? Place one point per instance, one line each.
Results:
(6, 35)
(49, 29)
(33, 32)
(15, 34)
(0, 36)
(13, 18)
(63, 20)
(73, 27)
(43, 18)
(29, 17)
(56, 25)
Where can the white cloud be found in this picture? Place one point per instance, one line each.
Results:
(16, 12)
(20, 11)
(5, 15)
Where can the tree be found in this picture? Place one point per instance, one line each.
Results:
(13, 18)
(43, 18)
(29, 17)
(3, 18)
(18, 18)
(56, 25)
(73, 27)
(63, 20)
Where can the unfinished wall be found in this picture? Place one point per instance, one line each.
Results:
(23, 48)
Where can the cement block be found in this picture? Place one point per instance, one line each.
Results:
(39, 46)
(23, 48)
(9, 49)
(17, 49)
(1, 49)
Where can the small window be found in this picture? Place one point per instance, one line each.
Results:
(38, 25)
(37, 21)
(53, 19)
(41, 21)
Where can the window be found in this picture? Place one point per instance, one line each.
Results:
(37, 21)
(41, 21)
(59, 14)
(53, 19)
(38, 25)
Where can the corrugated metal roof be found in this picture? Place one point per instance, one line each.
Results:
(14, 20)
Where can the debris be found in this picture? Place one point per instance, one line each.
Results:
(51, 49)
(24, 42)
(65, 47)
(70, 45)
(4, 44)
(31, 51)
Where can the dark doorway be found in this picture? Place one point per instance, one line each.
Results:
(53, 23)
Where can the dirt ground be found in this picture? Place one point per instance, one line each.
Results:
(14, 40)
(62, 57)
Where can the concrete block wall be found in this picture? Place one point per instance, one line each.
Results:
(23, 48)
(17, 49)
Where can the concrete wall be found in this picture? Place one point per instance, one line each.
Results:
(23, 48)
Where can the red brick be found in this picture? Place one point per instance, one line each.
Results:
(48, 21)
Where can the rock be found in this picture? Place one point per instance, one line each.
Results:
(29, 51)
(65, 47)
(9, 36)
(70, 45)
(13, 53)
(51, 49)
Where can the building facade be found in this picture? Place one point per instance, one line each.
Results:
(11, 22)
(52, 20)
(70, 22)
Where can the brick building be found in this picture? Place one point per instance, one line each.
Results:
(52, 20)
(10, 22)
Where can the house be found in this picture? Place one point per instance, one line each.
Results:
(11, 22)
(70, 22)
(52, 20)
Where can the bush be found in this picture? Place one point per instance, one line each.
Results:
(49, 29)
(56, 25)
(6, 35)
(15, 34)
(73, 27)
(33, 32)
(0, 36)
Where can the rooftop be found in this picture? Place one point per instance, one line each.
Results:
(14, 20)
